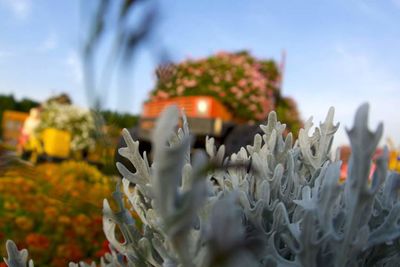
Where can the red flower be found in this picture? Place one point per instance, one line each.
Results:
(104, 249)
(37, 241)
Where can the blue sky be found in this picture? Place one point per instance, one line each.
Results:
(340, 53)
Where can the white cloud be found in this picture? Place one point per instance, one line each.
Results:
(49, 43)
(21, 8)
(74, 65)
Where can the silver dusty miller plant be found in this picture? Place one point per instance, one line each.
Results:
(273, 203)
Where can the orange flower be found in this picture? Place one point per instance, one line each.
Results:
(82, 219)
(24, 223)
(64, 219)
(10, 205)
(37, 241)
(70, 251)
(50, 212)
(60, 214)
(81, 230)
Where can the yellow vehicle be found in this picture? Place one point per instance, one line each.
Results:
(394, 156)
(51, 144)
(394, 161)
(55, 145)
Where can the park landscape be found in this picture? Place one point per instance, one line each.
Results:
(218, 168)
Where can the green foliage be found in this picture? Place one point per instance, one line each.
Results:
(286, 109)
(60, 99)
(120, 120)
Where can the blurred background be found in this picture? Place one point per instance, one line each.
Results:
(74, 73)
(338, 53)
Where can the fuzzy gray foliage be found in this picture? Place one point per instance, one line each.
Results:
(16, 258)
(273, 203)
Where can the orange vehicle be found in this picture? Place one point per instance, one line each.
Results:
(12, 123)
(206, 117)
(205, 114)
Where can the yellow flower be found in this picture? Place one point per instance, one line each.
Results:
(10, 205)
(64, 219)
(82, 219)
(50, 212)
(80, 230)
(75, 193)
(24, 223)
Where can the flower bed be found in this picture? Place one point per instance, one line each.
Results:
(54, 211)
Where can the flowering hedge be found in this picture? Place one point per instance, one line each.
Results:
(46, 211)
(245, 85)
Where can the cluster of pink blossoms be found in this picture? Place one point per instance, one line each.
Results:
(238, 80)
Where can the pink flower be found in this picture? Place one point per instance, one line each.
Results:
(162, 94)
(253, 107)
(222, 54)
(214, 88)
(189, 83)
(180, 89)
(228, 77)
(199, 71)
(242, 83)
(238, 60)
(260, 116)
(234, 89)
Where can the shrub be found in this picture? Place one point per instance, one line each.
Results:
(77, 121)
(247, 86)
(274, 203)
